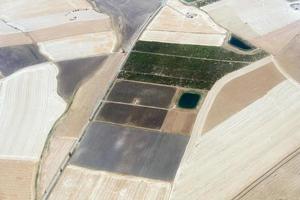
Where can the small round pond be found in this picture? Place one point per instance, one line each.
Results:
(189, 100)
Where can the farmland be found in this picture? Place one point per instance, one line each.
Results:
(183, 65)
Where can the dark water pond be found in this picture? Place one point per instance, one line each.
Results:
(238, 43)
(189, 100)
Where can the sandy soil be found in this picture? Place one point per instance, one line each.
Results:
(17, 179)
(282, 184)
(288, 59)
(276, 41)
(14, 39)
(29, 101)
(79, 46)
(173, 26)
(79, 183)
(56, 152)
(260, 18)
(259, 137)
(241, 92)
(179, 121)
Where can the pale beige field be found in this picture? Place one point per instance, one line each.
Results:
(173, 26)
(241, 92)
(17, 180)
(54, 156)
(80, 183)
(179, 122)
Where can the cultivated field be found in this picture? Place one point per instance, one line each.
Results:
(26, 117)
(178, 23)
(183, 65)
(80, 183)
(128, 17)
(14, 58)
(130, 151)
(259, 137)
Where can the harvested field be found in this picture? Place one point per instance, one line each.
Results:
(288, 59)
(282, 184)
(142, 94)
(17, 180)
(128, 16)
(173, 25)
(130, 151)
(17, 57)
(14, 39)
(72, 73)
(179, 121)
(241, 92)
(87, 97)
(139, 116)
(13, 10)
(259, 136)
(80, 46)
(81, 184)
(260, 18)
(183, 65)
(56, 152)
(29, 107)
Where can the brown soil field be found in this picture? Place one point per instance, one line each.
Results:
(282, 184)
(14, 39)
(79, 183)
(179, 121)
(288, 59)
(71, 29)
(275, 41)
(241, 92)
(56, 152)
(94, 89)
(17, 180)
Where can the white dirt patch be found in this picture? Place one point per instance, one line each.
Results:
(241, 149)
(79, 46)
(178, 23)
(80, 183)
(184, 38)
(56, 19)
(260, 15)
(29, 106)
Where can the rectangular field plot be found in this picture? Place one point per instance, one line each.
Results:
(130, 151)
(132, 115)
(142, 94)
(183, 65)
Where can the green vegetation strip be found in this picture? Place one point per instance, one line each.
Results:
(183, 65)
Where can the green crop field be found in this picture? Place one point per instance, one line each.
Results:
(183, 65)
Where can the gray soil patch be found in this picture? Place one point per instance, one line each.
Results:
(130, 151)
(128, 16)
(132, 115)
(14, 58)
(142, 94)
(72, 73)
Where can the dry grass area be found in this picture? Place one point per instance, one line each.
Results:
(173, 25)
(259, 137)
(288, 58)
(79, 46)
(17, 180)
(79, 183)
(282, 184)
(179, 121)
(241, 92)
(56, 152)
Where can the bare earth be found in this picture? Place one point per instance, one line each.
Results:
(241, 92)
(79, 183)
(17, 180)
